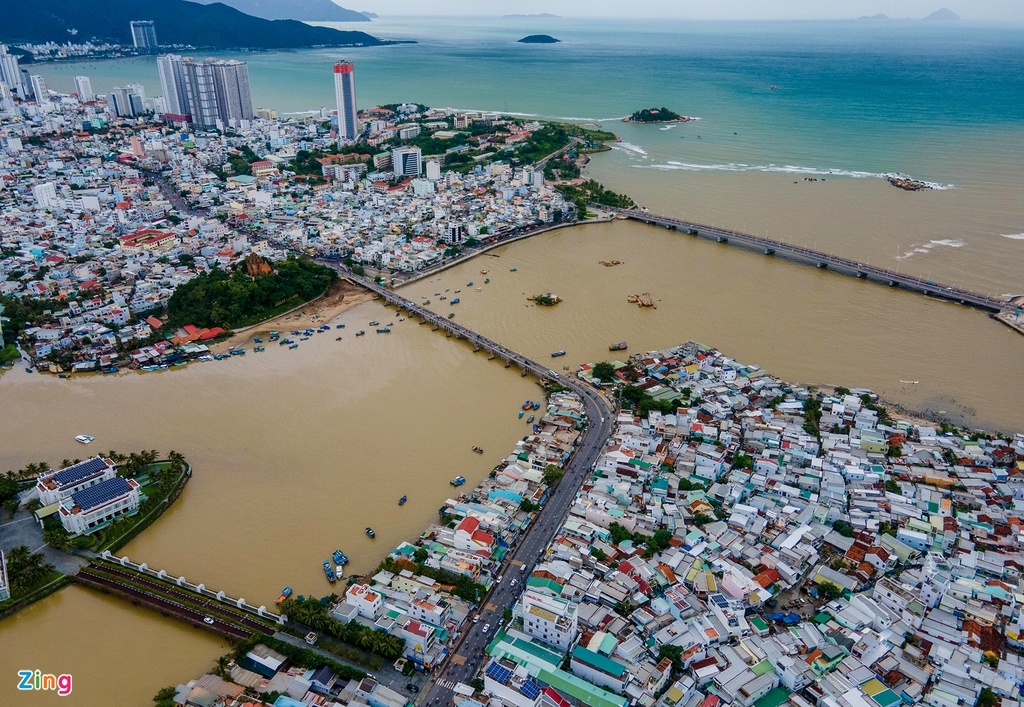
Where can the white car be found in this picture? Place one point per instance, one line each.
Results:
(208, 620)
(498, 580)
(476, 619)
(487, 628)
(514, 581)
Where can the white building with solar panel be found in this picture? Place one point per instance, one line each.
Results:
(93, 508)
(548, 619)
(58, 485)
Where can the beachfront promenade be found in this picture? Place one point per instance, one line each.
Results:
(808, 256)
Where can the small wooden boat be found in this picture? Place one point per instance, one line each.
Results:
(402, 500)
(370, 533)
(621, 346)
(478, 450)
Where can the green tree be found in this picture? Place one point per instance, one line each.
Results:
(742, 461)
(165, 693)
(702, 519)
(619, 533)
(598, 554)
(829, 591)
(552, 474)
(892, 486)
(420, 556)
(528, 506)
(987, 698)
(673, 653)
(603, 371)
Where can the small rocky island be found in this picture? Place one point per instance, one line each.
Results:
(539, 39)
(906, 183)
(656, 115)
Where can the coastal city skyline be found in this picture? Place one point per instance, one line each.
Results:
(519, 360)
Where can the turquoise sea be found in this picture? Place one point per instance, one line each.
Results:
(940, 102)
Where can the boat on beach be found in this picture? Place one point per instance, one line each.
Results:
(285, 593)
(370, 533)
(621, 346)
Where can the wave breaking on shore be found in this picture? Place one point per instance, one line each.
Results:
(779, 168)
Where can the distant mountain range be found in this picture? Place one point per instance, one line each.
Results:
(543, 14)
(214, 26)
(943, 15)
(302, 10)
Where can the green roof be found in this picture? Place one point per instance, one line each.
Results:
(822, 618)
(542, 583)
(602, 663)
(531, 655)
(581, 689)
(776, 697)
(762, 668)
(759, 623)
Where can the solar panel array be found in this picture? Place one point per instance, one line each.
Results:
(720, 600)
(101, 493)
(499, 672)
(530, 689)
(79, 471)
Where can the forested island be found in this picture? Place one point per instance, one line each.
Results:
(656, 115)
(234, 299)
(178, 22)
(539, 39)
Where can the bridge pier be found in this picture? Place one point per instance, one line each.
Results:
(893, 283)
(822, 266)
(721, 239)
(435, 327)
(861, 275)
(769, 251)
(491, 357)
(508, 364)
(476, 347)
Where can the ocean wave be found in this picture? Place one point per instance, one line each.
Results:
(628, 147)
(668, 127)
(925, 248)
(302, 112)
(779, 168)
(568, 118)
(1014, 236)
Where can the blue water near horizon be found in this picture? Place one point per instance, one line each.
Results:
(855, 97)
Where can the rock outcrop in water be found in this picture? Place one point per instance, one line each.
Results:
(906, 183)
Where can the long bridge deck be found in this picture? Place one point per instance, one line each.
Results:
(822, 260)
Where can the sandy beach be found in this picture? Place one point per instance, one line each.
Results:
(342, 297)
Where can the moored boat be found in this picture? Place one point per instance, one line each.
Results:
(478, 450)
(452, 315)
(458, 481)
(528, 405)
(340, 326)
(531, 418)
(370, 533)
(374, 323)
(402, 500)
(285, 593)
(257, 340)
(258, 349)
(556, 354)
(621, 346)
(84, 439)
(360, 332)
(339, 571)
(535, 406)
(454, 301)
(384, 330)
(294, 346)
(339, 557)
(521, 413)
(331, 577)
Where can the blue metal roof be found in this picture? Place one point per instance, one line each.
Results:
(101, 493)
(75, 473)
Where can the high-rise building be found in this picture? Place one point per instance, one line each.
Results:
(209, 93)
(407, 161)
(345, 92)
(39, 92)
(172, 81)
(10, 72)
(45, 195)
(128, 101)
(433, 170)
(234, 103)
(83, 87)
(144, 35)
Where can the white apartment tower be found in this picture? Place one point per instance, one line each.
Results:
(144, 35)
(83, 87)
(345, 92)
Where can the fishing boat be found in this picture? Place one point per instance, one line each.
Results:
(370, 533)
(303, 338)
(384, 330)
(338, 339)
(294, 346)
(257, 340)
(340, 326)
(556, 354)
(454, 301)
(478, 450)
(528, 405)
(426, 301)
(621, 346)
(531, 418)
(479, 289)
(521, 413)
(487, 280)
(63, 375)
(84, 439)
(182, 363)
(374, 323)
(512, 269)
(469, 284)
(442, 298)
(458, 481)
(535, 406)
(258, 349)
(360, 332)
(331, 577)
(484, 272)
(285, 593)
(402, 500)
(108, 371)
(452, 315)
(339, 557)
(339, 571)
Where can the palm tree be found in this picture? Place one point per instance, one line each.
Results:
(221, 670)
(65, 463)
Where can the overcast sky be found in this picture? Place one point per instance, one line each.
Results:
(985, 10)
